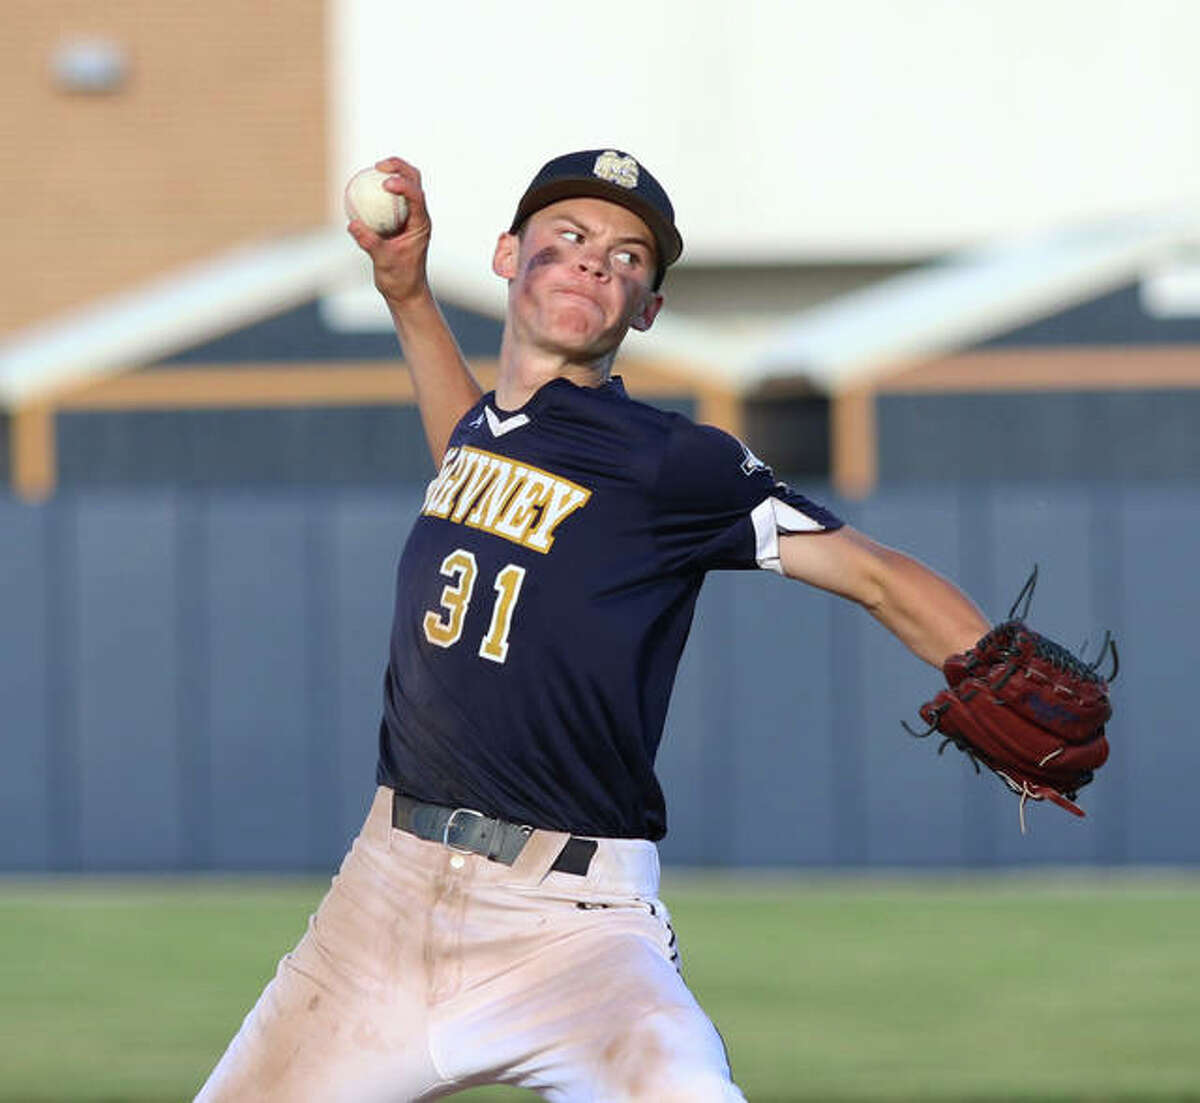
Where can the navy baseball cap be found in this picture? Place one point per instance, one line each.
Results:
(607, 174)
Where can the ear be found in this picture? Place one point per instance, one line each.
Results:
(645, 316)
(504, 259)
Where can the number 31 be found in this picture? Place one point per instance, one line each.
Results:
(444, 627)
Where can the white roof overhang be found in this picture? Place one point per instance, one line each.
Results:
(853, 339)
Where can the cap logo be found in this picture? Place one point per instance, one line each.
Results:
(611, 166)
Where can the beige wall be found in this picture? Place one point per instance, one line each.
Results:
(218, 136)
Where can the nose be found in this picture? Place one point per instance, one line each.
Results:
(594, 262)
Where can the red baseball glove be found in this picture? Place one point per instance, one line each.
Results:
(1028, 709)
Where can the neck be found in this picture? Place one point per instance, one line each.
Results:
(523, 371)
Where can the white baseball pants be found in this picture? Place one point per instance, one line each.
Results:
(426, 971)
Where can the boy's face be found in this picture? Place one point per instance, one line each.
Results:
(580, 275)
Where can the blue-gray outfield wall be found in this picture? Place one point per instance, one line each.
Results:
(191, 681)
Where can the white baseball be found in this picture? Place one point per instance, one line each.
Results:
(369, 201)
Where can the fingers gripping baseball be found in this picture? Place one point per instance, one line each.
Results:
(399, 258)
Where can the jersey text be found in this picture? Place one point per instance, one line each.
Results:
(511, 500)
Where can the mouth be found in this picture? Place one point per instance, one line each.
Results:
(576, 293)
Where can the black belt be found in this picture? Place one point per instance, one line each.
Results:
(467, 830)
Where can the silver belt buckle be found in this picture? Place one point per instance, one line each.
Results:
(450, 822)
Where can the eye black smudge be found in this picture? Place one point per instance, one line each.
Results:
(545, 256)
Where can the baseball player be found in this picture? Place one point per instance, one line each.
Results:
(497, 920)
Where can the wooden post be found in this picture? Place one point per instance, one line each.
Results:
(855, 459)
(32, 452)
(720, 407)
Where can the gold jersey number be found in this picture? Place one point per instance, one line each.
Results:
(444, 627)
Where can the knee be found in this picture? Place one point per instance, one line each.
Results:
(701, 1087)
(671, 1056)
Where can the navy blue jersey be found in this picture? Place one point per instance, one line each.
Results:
(544, 596)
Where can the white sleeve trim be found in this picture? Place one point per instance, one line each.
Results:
(771, 517)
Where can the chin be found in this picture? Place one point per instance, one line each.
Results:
(578, 347)
(574, 330)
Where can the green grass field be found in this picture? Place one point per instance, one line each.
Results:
(1061, 988)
